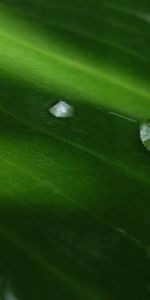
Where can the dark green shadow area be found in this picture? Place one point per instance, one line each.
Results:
(74, 199)
(59, 252)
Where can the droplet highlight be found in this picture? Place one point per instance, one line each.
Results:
(62, 109)
(145, 134)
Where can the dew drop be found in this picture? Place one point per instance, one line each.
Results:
(6, 292)
(147, 249)
(62, 109)
(145, 134)
(9, 295)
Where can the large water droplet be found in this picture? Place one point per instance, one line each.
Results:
(62, 109)
(145, 134)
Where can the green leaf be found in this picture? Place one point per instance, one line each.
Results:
(74, 209)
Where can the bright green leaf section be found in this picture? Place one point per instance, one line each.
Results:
(93, 61)
(74, 196)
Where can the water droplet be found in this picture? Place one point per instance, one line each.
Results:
(147, 249)
(62, 109)
(6, 293)
(145, 134)
(9, 295)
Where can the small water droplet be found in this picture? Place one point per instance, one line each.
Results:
(147, 249)
(145, 134)
(8, 295)
(62, 109)
(6, 292)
